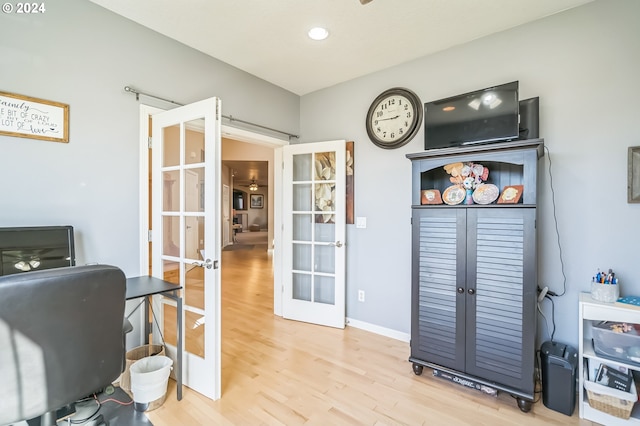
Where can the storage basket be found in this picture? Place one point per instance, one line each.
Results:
(611, 401)
(134, 355)
(617, 340)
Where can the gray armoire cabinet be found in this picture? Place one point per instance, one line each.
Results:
(474, 279)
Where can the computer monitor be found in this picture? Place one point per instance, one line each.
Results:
(24, 249)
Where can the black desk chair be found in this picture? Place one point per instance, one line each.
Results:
(61, 338)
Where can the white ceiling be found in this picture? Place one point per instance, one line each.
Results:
(268, 38)
(245, 172)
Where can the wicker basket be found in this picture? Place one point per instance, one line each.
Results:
(611, 401)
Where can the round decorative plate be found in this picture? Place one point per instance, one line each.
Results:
(454, 195)
(486, 193)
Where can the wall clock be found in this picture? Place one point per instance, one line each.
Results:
(394, 118)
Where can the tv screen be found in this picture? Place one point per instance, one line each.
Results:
(34, 248)
(487, 115)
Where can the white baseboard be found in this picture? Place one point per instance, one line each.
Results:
(387, 332)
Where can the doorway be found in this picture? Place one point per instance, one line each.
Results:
(230, 133)
(250, 207)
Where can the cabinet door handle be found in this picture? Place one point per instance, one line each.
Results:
(460, 290)
(471, 291)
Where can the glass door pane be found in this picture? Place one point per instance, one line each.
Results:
(184, 161)
(315, 205)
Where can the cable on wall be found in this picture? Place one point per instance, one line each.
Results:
(231, 118)
(555, 220)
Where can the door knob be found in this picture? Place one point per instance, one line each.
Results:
(206, 264)
(460, 290)
(471, 291)
(336, 244)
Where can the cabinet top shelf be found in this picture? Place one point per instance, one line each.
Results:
(473, 206)
(537, 144)
(585, 297)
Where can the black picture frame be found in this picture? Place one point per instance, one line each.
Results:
(257, 201)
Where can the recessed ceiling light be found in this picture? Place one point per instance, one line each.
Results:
(318, 33)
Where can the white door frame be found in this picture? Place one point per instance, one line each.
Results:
(229, 133)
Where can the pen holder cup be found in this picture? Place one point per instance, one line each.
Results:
(605, 292)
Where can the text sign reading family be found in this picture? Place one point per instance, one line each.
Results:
(33, 118)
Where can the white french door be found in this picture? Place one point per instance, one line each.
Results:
(186, 235)
(314, 214)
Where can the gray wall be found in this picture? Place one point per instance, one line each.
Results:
(83, 55)
(583, 64)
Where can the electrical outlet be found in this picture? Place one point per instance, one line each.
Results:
(360, 295)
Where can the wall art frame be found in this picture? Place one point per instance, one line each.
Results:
(33, 118)
(257, 201)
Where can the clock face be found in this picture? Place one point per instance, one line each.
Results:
(394, 118)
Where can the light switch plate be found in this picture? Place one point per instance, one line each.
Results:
(361, 222)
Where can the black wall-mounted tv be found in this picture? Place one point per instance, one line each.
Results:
(482, 116)
(33, 248)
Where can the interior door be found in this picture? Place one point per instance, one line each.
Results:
(186, 236)
(314, 214)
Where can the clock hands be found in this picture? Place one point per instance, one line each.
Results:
(389, 118)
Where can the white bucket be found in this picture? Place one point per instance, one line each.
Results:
(149, 378)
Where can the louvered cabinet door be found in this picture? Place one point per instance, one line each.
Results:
(501, 271)
(438, 289)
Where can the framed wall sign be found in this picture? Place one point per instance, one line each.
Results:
(33, 118)
(257, 201)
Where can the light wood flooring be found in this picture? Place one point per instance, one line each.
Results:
(280, 372)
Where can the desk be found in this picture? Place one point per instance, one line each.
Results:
(146, 287)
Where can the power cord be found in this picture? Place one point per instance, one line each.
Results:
(555, 220)
(545, 293)
(553, 317)
(92, 416)
(546, 321)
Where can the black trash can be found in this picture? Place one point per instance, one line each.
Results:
(559, 363)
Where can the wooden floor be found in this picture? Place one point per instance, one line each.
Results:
(280, 372)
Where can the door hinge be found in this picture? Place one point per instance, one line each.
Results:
(149, 235)
(149, 142)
